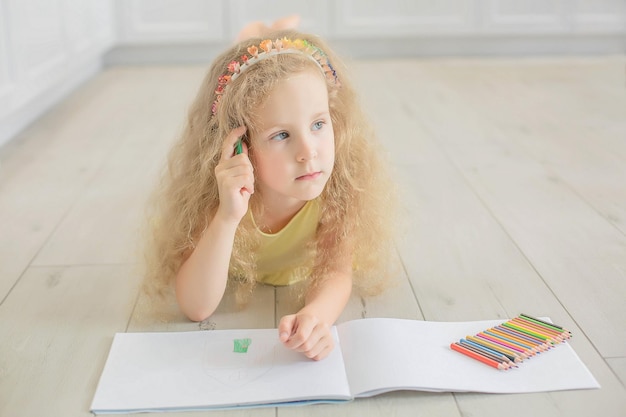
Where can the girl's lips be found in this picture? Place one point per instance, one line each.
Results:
(311, 176)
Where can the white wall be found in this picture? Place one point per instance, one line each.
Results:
(193, 30)
(48, 47)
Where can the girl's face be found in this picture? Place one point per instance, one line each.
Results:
(294, 143)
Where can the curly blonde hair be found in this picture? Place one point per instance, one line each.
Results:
(357, 204)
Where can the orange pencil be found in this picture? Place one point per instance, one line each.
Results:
(473, 355)
(489, 354)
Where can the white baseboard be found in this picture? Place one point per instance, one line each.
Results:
(485, 46)
(436, 46)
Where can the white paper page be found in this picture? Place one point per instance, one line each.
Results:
(389, 354)
(199, 370)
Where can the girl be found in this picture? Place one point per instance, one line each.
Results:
(276, 179)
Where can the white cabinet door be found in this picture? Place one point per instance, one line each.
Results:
(316, 16)
(599, 16)
(527, 16)
(163, 21)
(395, 18)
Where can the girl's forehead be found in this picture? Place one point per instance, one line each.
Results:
(308, 82)
(299, 94)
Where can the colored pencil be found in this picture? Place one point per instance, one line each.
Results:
(506, 345)
(502, 342)
(482, 352)
(527, 331)
(559, 334)
(524, 347)
(485, 348)
(549, 335)
(457, 347)
(532, 346)
(514, 356)
(554, 335)
(487, 352)
(525, 336)
(545, 323)
(503, 348)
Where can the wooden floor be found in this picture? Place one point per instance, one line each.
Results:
(514, 184)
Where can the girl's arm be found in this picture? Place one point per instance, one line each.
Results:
(201, 280)
(308, 330)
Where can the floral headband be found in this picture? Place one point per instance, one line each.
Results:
(269, 48)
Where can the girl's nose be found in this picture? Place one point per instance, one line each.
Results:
(306, 150)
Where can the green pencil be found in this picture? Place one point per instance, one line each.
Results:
(543, 323)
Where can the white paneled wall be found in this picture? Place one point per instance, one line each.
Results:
(47, 47)
(316, 15)
(213, 20)
(193, 30)
(398, 18)
(167, 21)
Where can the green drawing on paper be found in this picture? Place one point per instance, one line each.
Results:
(241, 345)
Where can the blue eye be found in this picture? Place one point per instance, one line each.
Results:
(318, 125)
(280, 136)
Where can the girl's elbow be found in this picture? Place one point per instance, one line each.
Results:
(195, 310)
(197, 317)
(198, 314)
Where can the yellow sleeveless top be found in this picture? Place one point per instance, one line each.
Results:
(285, 258)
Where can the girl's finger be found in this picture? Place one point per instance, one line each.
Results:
(285, 327)
(324, 352)
(301, 335)
(315, 341)
(320, 349)
(228, 150)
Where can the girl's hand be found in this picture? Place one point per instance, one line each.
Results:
(307, 334)
(235, 179)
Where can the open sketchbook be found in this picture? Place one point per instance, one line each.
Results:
(250, 368)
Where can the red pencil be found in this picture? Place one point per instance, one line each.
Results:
(473, 355)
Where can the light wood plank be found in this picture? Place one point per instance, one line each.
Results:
(554, 228)
(41, 175)
(450, 237)
(45, 169)
(56, 330)
(618, 365)
(156, 315)
(103, 224)
(576, 133)
(462, 263)
(400, 403)
(396, 301)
